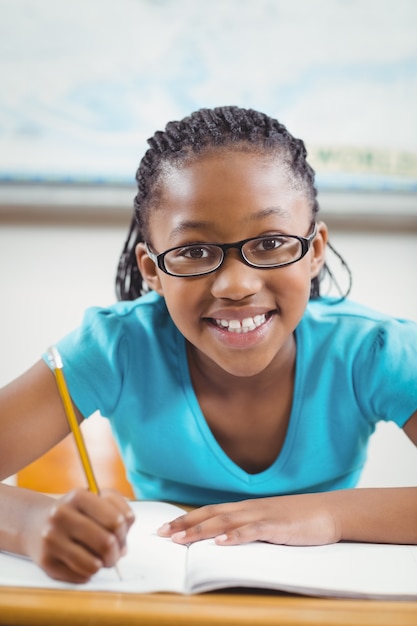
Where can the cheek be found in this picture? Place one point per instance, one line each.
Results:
(292, 292)
(178, 289)
(293, 281)
(182, 297)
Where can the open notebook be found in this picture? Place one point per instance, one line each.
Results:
(155, 564)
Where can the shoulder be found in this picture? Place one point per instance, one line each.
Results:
(123, 327)
(117, 348)
(334, 309)
(362, 354)
(145, 307)
(347, 313)
(351, 326)
(148, 312)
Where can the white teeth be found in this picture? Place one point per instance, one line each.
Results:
(248, 324)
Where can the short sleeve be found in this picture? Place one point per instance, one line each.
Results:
(385, 371)
(95, 357)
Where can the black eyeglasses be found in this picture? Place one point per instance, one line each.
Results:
(265, 252)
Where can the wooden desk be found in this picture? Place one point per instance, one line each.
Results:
(43, 607)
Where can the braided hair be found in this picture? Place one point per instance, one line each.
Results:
(182, 141)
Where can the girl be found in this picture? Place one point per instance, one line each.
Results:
(229, 381)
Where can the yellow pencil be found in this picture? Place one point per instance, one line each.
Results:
(57, 365)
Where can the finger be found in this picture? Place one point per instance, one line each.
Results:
(108, 511)
(294, 532)
(219, 524)
(71, 526)
(60, 571)
(61, 557)
(74, 563)
(193, 518)
(101, 509)
(121, 504)
(254, 531)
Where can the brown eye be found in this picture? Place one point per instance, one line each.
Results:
(272, 243)
(195, 253)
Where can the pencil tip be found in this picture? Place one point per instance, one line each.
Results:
(116, 567)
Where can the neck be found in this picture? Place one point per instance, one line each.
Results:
(206, 374)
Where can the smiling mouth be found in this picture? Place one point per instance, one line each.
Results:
(241, 326)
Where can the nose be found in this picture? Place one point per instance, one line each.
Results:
(235, 280)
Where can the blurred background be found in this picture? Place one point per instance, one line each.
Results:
(85, 83)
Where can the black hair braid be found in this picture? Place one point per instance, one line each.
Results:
(206, 129)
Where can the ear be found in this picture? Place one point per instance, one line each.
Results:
(318, 247)
(148, 269)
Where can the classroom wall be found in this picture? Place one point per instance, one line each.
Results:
(340, 74)
(50, 273)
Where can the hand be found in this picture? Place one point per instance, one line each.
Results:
(78, 534)
(291, 520)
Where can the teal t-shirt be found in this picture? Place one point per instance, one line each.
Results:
(354, 367)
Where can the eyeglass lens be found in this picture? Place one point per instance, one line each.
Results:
(260, 252)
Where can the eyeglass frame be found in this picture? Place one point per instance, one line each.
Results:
(306, 242)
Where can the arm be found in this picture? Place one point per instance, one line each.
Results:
(378, 515)
(71, 538)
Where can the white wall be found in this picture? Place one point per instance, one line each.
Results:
(50, 274)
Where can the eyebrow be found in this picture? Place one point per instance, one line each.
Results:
(188, 225)
(273, 210)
